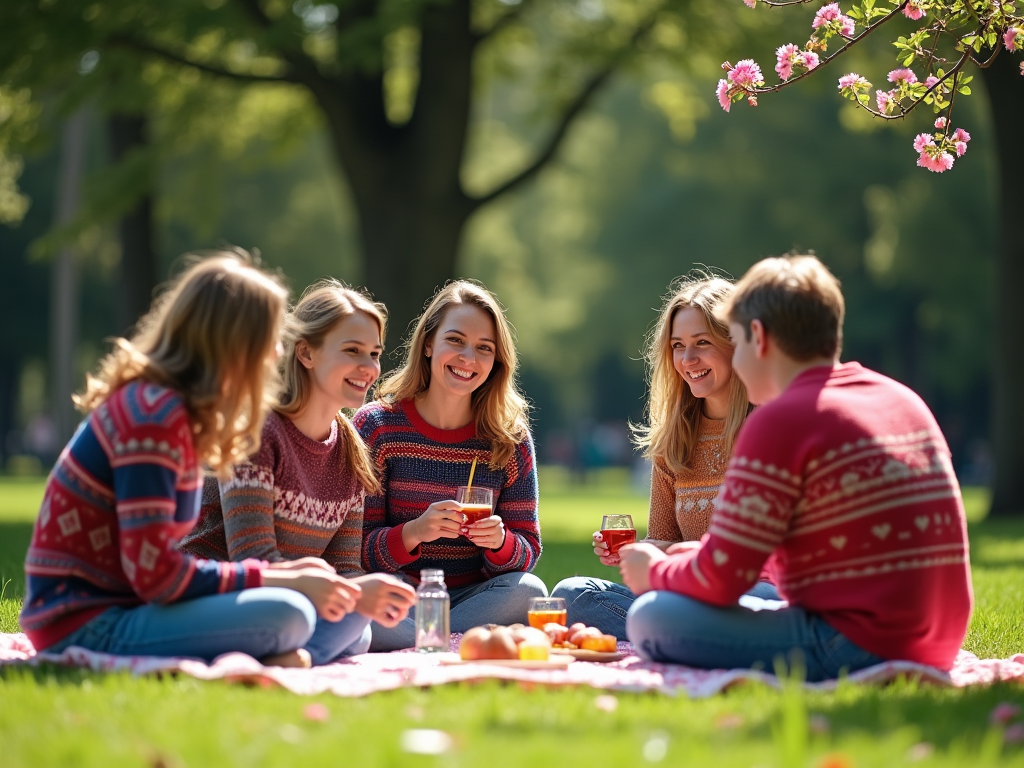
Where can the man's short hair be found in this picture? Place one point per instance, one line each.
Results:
(797, 300)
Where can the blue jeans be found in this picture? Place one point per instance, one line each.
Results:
(505, 599)
(668, 627)
(604, 604)
(259, 622)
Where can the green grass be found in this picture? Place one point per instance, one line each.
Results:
(51, 717)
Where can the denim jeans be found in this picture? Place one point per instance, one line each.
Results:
(505, 599)
(604, 604)
(259, 622)
(668, 627)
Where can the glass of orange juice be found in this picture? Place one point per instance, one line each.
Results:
(546, 610)
(476, 503)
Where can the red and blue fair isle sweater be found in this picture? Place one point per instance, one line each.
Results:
(420, 464)
(844, 485)
(123, 492)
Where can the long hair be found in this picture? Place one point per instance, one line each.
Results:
(209, 337)
(323, 305)
(673, 413)
(499, 410)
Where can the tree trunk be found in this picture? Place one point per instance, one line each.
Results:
(405, 179)
(1006, 96)
(137, 271)
(64, 318)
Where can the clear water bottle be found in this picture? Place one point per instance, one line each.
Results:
(432, 607)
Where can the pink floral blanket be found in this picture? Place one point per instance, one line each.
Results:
(369, 673)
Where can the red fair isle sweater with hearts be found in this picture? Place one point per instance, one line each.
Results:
(844, 486)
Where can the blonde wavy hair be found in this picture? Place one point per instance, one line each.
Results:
(499, 409)
(323, 305)
(673, 413)
(209, 337)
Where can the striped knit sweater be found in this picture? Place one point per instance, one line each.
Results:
(123, 492)
(296, 497)
(420, 464)
(845, 481)
(681, 505)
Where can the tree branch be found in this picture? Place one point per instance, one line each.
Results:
(512, 16)
(572, 111)
(175, 58)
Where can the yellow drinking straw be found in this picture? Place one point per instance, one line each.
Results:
(472, 470)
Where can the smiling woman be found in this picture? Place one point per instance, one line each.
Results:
(453, 402)
(300, 498)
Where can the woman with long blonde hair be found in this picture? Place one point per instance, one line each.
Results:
(695, 409)
(190, 388)
(300, 497)
(452, 403)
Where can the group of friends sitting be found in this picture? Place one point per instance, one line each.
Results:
(216, 498)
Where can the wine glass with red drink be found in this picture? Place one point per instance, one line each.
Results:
(617, 530)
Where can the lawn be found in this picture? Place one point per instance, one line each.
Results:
(53, 717)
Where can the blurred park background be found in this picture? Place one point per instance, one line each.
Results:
(567, 153)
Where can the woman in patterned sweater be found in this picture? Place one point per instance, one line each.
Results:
(187, 390)
(696, 408)
(300, 498)
(454, 400)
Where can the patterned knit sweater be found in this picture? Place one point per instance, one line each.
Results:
(681, 505)
(296, 497)
(845, 481)
(420, 464)
(123, 492)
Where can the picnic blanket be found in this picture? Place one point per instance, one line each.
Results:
(373, 672)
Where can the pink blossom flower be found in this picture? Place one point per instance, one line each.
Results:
(940, 123)
(961, 148)
(316, 712)
(808, 59)
(1010, 37)
(723, 94)
(883, 99)
(852, 80)
(1022, 69)
(785, 56)
(1003, 713)
(902, 75)
(746, 74)
(749, 3)
(826, 14)
(930, 81)
(923, 140)
(937, 163)
(913, 11)
(961, 135)
(846, 26)
(752, 100)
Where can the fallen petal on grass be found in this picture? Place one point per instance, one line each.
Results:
(729, 720)
(316, 712)
(655, 748)
(606, 703)
(1014, 734)
(1003, 713)
(920, 751)
(819, 724)
(426, 741)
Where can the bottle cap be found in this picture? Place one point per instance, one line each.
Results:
(431, 574)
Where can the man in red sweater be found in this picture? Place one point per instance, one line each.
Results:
(840, 482)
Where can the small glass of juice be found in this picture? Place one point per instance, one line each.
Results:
(617, 530)
(546, 610)
(476, 503)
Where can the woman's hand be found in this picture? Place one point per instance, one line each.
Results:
(488, 533)
(302, 562)
(683, 546)
(635, 567)
(385, 599)
(601, 550)
(332, 595)
(441, 520)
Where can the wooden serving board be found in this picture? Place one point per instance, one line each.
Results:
(553, 662)
(587, 655)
